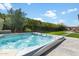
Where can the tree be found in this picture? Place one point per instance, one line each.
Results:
(3, 16)
(17, 17)
(1, 23)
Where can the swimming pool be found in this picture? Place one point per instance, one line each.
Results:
(23, 43)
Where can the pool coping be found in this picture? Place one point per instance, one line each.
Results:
(48, 46)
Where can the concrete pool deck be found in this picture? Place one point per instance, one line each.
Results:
(69, 47)
(8, 52)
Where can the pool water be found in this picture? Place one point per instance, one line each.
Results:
(23, 40)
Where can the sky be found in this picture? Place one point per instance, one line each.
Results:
(65, 13)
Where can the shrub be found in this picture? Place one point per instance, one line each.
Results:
(27, 30)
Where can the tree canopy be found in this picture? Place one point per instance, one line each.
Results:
(16, 21)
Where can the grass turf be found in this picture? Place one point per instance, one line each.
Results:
(75, 35)
(57, 33)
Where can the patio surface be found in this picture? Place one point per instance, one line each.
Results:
(69, 47)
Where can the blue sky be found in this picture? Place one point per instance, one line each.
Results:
(48, 12)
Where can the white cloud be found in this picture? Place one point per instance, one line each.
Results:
(29, 3)
(69, 11)
(61, 21)
(54, 10)
(2, 7)
(51, 14)
(8, 5)
(5, 5)
(72, 10)
(40, 19)
(75, 9)
(63, 12)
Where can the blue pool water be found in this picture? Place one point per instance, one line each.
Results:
(22, 40)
